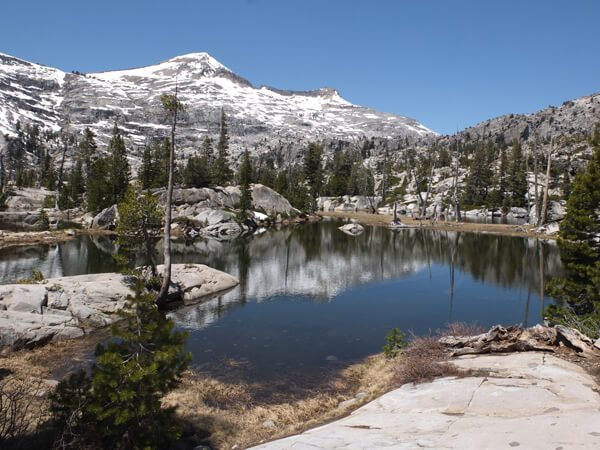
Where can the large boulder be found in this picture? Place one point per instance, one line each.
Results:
(224, 231)
(197, 281)
(271, 202)
(106, 219)
(556, 211)
(517, 213)
(23, 297)
(214, 216)
(93, 300)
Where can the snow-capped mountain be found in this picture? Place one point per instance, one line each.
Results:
(258, 116)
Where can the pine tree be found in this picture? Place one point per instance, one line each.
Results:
(245, 177)
(99, 189)
(119, 406)
(88, 149)
(207, 149)
(580, 252)
(196, 172)
(518, 177)
(119, 166)
(313, 173)
(139, 220)
(146, 173)
(479, 179)
(340, 170)
(222, 173)
(76, 183)
(48, 175)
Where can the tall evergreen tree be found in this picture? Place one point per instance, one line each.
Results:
(196, 172)
(580, 251)
(313, 173)
(146, 173)
(479, 178)
(119, 166)
(48, 175)
(88, 149)
(222, 173)
(518, 177)
(98, 187)
(245, 178)
(77, 182)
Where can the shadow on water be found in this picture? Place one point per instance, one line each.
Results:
(312, 299)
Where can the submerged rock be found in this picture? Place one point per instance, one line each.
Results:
(352, 229)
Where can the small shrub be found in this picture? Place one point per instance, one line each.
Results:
(424, 360)
(44, 221)
(20, 410)
(120, 405)
(49, 201)
(36, 277)
(395, 343)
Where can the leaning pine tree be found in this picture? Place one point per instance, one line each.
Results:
(172, 106)
(579, 291)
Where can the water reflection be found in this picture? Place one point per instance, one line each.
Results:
(312, 295)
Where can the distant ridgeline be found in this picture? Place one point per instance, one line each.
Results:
(55, 126)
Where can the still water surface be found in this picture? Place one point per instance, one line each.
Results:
(312, 299)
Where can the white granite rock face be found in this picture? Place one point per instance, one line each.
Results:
(67, 307)
(529, 400)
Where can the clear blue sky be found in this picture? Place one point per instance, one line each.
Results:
(448, 64)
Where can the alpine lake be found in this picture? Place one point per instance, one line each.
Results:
(312, 300)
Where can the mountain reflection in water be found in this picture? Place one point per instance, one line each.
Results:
(311, 296)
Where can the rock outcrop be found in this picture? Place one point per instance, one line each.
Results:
(107, 219)
(27, 199)
(520, 400)
(348, 203)
(68, 307)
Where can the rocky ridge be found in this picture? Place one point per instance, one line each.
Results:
(258, 117)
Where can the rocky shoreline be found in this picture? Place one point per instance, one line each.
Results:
(510, 377)
(71, 307)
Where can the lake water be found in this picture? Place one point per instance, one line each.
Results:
(312, 299)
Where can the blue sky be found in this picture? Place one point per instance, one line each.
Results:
(448, 64)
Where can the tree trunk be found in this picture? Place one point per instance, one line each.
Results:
(149, 250)
(164, 289)
(424, 206)
(542, 217)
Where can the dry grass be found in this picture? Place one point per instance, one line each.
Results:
(425, 359)
(239, 414)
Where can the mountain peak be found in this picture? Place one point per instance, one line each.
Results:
(191, 65)
(200, 59)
